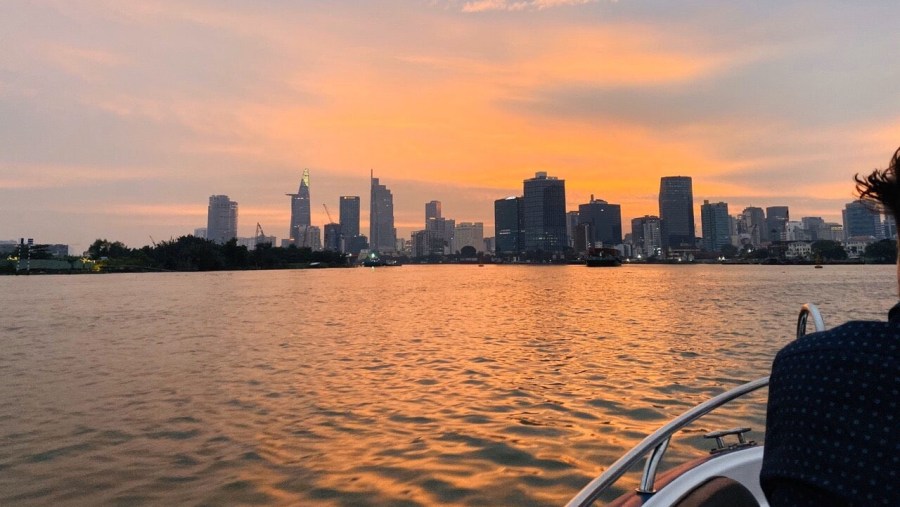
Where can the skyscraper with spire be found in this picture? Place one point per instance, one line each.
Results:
(382, 234)
(300, 214)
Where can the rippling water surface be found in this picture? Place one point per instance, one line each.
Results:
(418, 385)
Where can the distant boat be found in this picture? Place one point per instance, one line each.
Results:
(374, 261)
(603, 258)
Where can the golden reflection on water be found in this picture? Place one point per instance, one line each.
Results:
(418, 385)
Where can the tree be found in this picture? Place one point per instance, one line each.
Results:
(103, 248)
(881, 252)
(236, 257)
(468, 252)
(759, 253)
(729, 251)
(828, 250)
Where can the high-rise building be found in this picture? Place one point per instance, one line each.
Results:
(813, 227)
(489, 245)
(676, 211)
(646, 235)
(432, 210)
(349, 215)
(333, 237)
(544, 214)
(582, 237)
(200, 232)
(794, 231)
(508, 225)
(469, 234)
(860, 221)
(571, 226)
(754, 225)
(382, 234)
(716, 226)
(221, 219)
(444, 230)
(300, 214)
(308, 236)
(777, 218)
(605, 220)
(427, 243)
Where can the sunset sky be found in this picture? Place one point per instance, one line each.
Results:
(118, 119)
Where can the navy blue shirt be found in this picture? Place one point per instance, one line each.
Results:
(833, 424)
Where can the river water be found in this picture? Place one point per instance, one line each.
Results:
(416, 385)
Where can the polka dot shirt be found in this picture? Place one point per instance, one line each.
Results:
(833, 424)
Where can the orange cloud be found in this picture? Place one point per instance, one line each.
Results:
(518, 5)
(33, 176)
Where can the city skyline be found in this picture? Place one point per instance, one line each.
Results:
(107, 132)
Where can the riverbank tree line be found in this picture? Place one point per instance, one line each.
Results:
(187, 253)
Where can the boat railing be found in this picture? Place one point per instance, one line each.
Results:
(806, 311)
(656, 444)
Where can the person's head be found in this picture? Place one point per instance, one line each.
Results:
(881, 189)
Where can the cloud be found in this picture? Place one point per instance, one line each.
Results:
(519, 5)
(20, 177)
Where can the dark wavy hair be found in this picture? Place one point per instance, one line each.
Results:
(880, 189)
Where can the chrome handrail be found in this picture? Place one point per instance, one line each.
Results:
(806, 311)
(658, 441)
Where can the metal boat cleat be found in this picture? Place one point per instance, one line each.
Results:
(721, 446)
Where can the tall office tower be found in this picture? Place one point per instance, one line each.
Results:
(544, 214)
(777, 218)
(733, 229)
(508, 225)
(382, 235)
(300, 215)
(605, 220)
(432, 210)
(813, 227)
(646, 234)
(469, 234)
(581, 242)
(426, 244)
(571, 226)
(349, 215)
(333, 237)
(676, 210)
(489, 245)
(794, 231)
(716, 226)
(221, 219)
(860, 221)
(755, 225)
(444, 229)
(309, 236)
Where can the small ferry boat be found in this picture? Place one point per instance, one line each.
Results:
(373, 260)
(729, 475)
(603, 257)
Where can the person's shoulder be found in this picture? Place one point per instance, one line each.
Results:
(857, 335)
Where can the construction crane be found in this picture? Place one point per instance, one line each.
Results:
(330, 221)
(261, 236)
